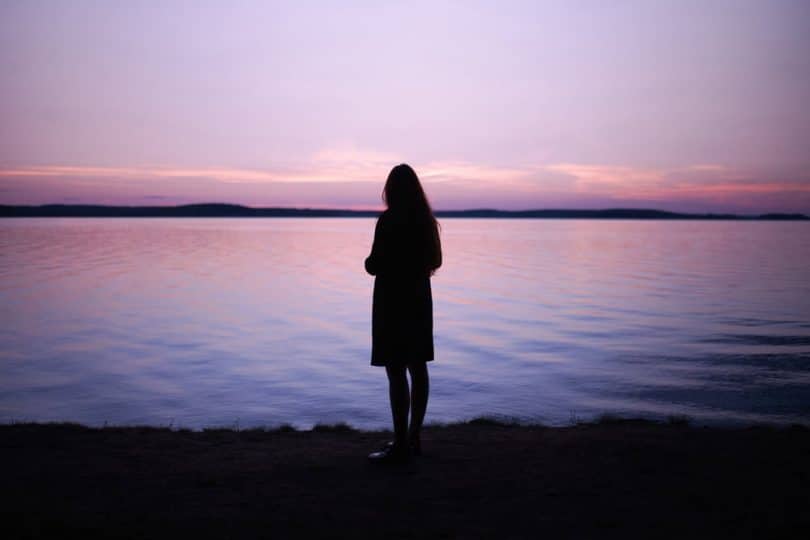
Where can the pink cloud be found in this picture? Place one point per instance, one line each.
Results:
(352, 177)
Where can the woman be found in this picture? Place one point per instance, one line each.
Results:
(405, 254)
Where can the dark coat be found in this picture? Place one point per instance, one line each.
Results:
(402, 314)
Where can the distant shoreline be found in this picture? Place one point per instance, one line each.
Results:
(235, 210)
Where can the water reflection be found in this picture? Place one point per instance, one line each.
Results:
(209, 321)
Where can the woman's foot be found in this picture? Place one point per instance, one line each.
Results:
(416, 446)
(390, 453)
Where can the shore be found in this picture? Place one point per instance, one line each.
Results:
(479, 479)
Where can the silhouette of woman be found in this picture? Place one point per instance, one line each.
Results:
(405, 253)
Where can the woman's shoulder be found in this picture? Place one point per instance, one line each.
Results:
(391, 219)
(401, 222)
(386, 224)
(384, 219)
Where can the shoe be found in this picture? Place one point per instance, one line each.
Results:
(390, 453)
(416, 447)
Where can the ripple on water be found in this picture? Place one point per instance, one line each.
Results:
(199, 322)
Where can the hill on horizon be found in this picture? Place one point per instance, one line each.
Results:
(236, 210)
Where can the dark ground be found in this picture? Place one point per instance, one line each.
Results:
(628, 479)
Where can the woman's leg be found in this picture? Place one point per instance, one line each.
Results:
(420, 385)
(400, 403)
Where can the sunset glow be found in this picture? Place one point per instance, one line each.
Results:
(670, 105)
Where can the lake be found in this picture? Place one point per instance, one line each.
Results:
(260, 322)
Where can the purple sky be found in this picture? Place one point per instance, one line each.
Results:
(681, 105)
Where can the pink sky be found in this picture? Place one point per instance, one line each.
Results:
(691, 106)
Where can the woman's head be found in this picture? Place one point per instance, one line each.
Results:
(404, 193)
(404, 196)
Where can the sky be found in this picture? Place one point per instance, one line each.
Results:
(682, 105)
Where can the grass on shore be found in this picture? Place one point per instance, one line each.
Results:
(499, 422)
(485, 477)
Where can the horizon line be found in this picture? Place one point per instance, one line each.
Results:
(21, 210)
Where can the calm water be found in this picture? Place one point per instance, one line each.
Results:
(206, 322)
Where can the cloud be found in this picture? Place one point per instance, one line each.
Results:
(349, 176)
(689, 182)
(608, 179)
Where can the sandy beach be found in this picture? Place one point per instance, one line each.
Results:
(478, 479)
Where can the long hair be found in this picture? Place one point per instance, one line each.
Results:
(403, 195)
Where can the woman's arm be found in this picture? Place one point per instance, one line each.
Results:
(375, 259)
(437, 261)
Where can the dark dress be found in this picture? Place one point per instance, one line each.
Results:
(402, 314)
